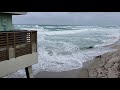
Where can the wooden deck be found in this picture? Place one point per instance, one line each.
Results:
(17, 43)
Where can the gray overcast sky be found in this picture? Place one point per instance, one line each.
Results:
(69, 18)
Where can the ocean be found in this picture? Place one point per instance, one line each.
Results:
(66, 47)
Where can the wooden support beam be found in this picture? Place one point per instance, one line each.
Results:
(28, 71)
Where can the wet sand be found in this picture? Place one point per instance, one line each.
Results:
(78, 73)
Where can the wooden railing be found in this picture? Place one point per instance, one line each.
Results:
(17, 43)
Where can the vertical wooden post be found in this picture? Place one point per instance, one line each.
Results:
(28, 71)
(14, 45)
(31, 41)
(36, 40)
(7, 46)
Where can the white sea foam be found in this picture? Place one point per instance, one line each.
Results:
(112, 40)
(58, 63)
(63, 32)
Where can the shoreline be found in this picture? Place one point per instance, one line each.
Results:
(106, 65)
(102, 66)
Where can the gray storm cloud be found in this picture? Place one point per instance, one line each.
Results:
(69, 18)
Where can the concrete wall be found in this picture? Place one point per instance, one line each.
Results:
(15, 64)
(18, 63)
(6, 22)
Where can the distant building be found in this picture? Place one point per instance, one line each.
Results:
(6, 20)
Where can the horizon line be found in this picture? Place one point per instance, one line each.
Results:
(66, 25)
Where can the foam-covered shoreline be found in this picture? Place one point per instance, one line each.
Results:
(103, 66)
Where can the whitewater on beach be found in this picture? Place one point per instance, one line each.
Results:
(64, 48)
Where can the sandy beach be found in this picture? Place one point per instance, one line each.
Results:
(103, 66)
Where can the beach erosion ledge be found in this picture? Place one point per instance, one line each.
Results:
(103, 66)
